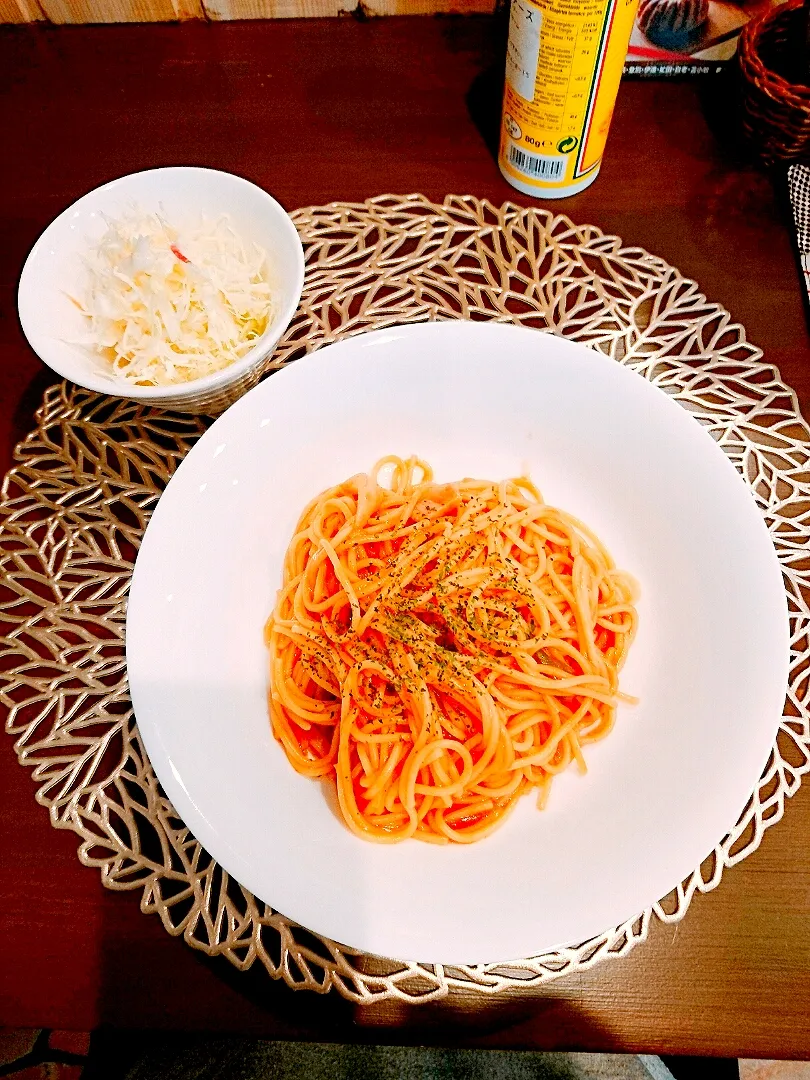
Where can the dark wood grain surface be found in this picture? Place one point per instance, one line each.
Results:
(335, 109)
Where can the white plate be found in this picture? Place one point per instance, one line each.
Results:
(487, 400)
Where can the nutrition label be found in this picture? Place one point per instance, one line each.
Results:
(564, 62)
(565, 70)
(523, 50)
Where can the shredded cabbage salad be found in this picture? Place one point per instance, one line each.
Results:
(166, 306)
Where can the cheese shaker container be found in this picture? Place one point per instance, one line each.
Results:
(564, 62)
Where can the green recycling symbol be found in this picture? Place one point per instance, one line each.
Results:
(567, 144)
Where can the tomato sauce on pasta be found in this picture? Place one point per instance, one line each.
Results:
(438, 650)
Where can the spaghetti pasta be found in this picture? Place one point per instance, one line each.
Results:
(437, 650)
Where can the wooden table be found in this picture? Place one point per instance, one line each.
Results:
(338, 109)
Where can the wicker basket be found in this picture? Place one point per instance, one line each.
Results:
(776, 102)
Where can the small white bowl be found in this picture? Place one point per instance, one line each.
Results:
(53, 269)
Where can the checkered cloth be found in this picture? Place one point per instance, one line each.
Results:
(799, 188)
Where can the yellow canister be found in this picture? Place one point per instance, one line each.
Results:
(563, 66)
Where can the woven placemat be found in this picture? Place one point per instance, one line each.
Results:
(76, 505)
